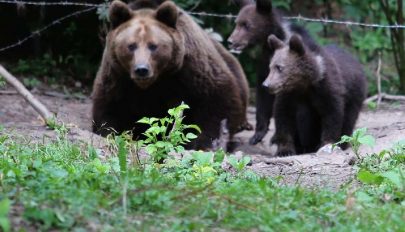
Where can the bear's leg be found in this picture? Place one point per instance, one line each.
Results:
(284, 116)
(331, 113)
(264, 111)
(352, 112)
(109, 119)
(209, 121)
(308, 134)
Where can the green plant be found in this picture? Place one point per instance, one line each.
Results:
(384, 174)
(358, 139)
(167, 134)
(4, 211)
(239, 165)
(2, 82)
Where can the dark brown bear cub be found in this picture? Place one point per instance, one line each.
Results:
(255, 22)
(157, 58)
(319, 95)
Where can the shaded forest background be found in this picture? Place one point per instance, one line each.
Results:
(69, 53)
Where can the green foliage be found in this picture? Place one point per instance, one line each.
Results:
(167, 134)
(358, 139)
(4, 211)
(39, 67)
(60, 185)
(240, 164)
(102, 11)
(2, 82)
(384, 174)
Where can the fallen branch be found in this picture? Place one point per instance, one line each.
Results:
(46, 115)
(385, 96)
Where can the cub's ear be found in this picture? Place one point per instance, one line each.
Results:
(167, 13)
(274, 42)
(160, 1)
(264, 6)
(297, 45)
(242, 3)
(119, 13)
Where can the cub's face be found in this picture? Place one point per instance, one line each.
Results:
(252, 24)
(145, 42)
(290, 68)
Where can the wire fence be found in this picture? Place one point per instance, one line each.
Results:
(49, 3)
(39, 31)
(93, 6)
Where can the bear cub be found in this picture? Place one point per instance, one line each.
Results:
(256, 21)
(319, 95)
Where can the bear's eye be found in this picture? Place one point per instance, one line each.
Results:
(152, 47)
(132, 47)
(279, 68)
(245, 25)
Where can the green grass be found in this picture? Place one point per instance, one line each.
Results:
(67, 186)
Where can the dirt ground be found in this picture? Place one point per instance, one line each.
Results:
(387, 124)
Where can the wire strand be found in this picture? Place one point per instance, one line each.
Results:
(93, 6)
(39, 31)
(44, 3)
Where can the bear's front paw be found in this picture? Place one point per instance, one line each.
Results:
(329, 149)
(285, 150)
(257, 137)
(247, 126)
(275, 139)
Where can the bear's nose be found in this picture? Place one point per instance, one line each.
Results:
(142, 70)
(230, 41)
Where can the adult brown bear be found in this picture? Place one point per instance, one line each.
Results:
(255, 22)
(156, 58)
(319, 95)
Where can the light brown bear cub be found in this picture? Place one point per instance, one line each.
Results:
(318, 95)
(156, 58)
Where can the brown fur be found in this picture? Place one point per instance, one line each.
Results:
(255, 22)
(184, 65)
(318, 95)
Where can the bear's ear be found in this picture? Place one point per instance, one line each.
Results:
(141, 4)
(264, 6)
(297, 45)
(242, 3)
(119, 13)
(160, 1)
(167, 14)
(275, 43)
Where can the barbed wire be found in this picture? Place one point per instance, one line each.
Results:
(204, 14)
(347, 23)
(93, 6)
(39, 31)
(65, 3)
(306, 19)
(229, 16)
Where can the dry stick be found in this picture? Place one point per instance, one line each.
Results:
(37, 105)
(386, 97)
(378, 74)
(381, 96)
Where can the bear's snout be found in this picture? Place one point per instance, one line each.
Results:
(270, 86)
(142, 70)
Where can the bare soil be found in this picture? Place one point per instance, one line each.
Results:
(387, 124)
